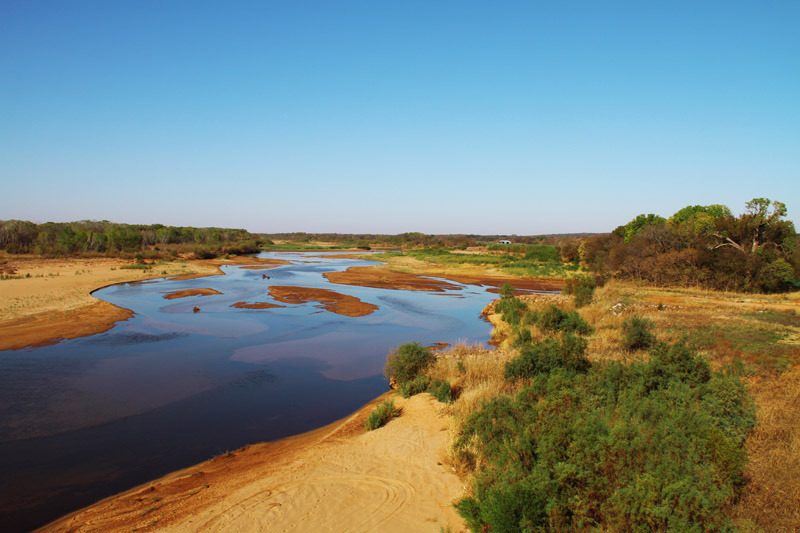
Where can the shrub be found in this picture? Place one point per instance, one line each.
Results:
(442, 391)
(606, 450)
(406, 362)
(416, 386)
(381, 415)
(511, 309)
(523, 338)
(581, 287)
(506, 290)
(548, 355)
(554, 319)
(636, 334)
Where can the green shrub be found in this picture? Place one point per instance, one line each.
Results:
(506, 290)
(553, 318)
(511, 309)
(406, 362)
(381, 415)
(442, 391)
(636, 447)
(581, 287)
(416, 386)
(636, 334)
(523, 338)
(547, 355)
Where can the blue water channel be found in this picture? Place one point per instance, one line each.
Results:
(90, 417)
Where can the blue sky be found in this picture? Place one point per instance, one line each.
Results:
(385, 117)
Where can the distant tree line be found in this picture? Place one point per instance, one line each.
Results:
(109, 238)
(702, 245)
(419, 240)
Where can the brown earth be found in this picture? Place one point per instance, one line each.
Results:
(255, 305)
(190, 292)
(334, 302)
(336, 478)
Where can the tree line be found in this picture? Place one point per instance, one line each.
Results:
(706, 246)
(104, 237)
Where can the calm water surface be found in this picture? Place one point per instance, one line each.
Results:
(90, 417)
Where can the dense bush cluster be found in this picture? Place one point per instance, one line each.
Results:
(638, 447)
(655, 445)
(703, 245)
(381, 415)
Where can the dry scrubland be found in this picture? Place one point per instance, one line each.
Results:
(758, 336)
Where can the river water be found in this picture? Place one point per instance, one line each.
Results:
(90, 417)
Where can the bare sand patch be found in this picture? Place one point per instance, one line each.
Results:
(185, 293)
(337, 478)
(341, 304)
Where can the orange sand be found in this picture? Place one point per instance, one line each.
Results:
(190, 292)
(334, 302)
(255, 305)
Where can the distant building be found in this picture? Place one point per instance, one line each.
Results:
(504, 241)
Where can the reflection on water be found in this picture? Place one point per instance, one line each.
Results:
(170, 387)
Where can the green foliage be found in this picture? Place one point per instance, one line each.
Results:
(548, 355)
(638, 447)
(637, 334)
(629, 230)
(442, 391)
(407, 362)
(511, 309)
(553, 319)
(506, 290)
(417, 385)
(381, 415)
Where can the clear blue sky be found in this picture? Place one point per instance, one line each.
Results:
(435, 116)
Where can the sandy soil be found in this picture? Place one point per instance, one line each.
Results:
(55, 301)
(380, 277)
(341, 304)
(185, 293)
(255, 305)
(337, 478)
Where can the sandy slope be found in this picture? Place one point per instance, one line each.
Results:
(337, 478)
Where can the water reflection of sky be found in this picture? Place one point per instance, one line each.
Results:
(183, 385)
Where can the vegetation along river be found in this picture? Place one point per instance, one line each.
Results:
(176, 385)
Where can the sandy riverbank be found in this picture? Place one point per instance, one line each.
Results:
(337, 478)
(341, 304)
(48, 300)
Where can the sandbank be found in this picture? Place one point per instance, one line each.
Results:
(185, 293)
(341, 304)
(377, 276)
(336, 478)
(255, 305)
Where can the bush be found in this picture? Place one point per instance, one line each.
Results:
(442, 391)
(636, 334)
(581, 287)
(554, 319)
(637, 447)
(416, 386)
(506, 290)
(406, 362)
(548, 355)
(511, 309)
(381, 415)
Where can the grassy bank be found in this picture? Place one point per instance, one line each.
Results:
(585, 429)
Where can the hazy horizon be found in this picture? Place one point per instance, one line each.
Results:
(519, 118)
